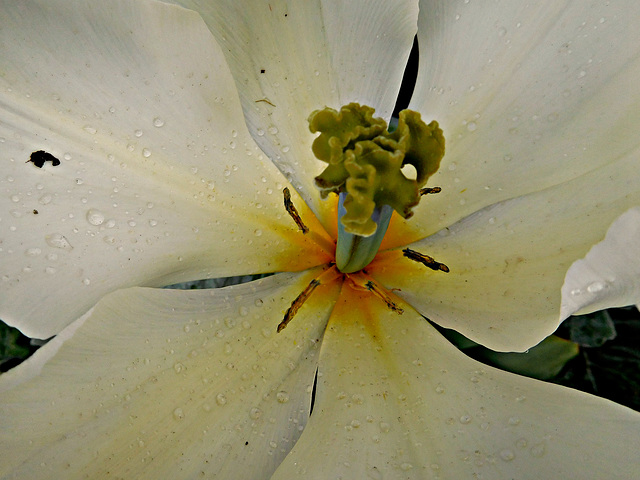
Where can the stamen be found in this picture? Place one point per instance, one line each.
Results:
(426, 260)
(428, 190)
(326, 277)
(372, 287)
(291, 209)
(297, 303)
(361, 281)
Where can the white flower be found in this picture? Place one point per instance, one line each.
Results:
(161, 181)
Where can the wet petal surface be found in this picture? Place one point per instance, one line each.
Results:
(168, 384)
(396, 400)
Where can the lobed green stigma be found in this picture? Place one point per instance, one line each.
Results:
(365, 161)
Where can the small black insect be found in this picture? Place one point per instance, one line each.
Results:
(40, 157)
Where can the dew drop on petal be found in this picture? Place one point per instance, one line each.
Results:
(158, 122)
(178, 414)
(537, 450)
(507, 455)
(255, 413)
(596, 287)
(95, 217)
(283, 397)
(221, 399)
(57, 240)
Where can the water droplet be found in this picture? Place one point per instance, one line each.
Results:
(178, 414)
(260, 132)
(32, 252)
(95, 217)
(146, 153)
(57, 240)
(439, 388)
(158, 122)
(221, 399)
(272, 130)
(514, 421)
(596, 287)
(406, 466)
(86, 281)
(178, 367)
(138, 133)
(537, 450)
(472, 126)
(283, 397)
(90, 129)
(384, 427)
(507, 455)
(255, 413)
(465, 419)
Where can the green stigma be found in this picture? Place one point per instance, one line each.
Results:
(365, 163)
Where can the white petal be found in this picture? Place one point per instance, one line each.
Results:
(159, 180)
(396, 400)
(291, 58)
(169, 384)
(529, 95)
(508, 261)
(609, 275)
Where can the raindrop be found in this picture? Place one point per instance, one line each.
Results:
(537, 450)
(272, 130)
(178, 414)
(507, 455)
(255, 413)
(283, 397)
(260, 132)
(221, 399)
(472, 126)
(178, 367)
(57, 240)
(514, 421)
(138, 133)
(90, 129)
(95, 217)
(158, 122)
(596, 287)
(146, 153)
(465, 419)
(439, 388)
(33, 252)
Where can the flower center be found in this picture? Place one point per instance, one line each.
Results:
(367, 167)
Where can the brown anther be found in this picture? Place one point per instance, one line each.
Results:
(291, 209)
(426, 260)
(326, 277)
(428, 190)
(297, 303)
(372, 287)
